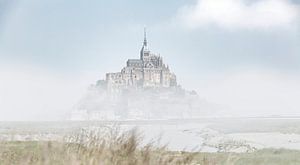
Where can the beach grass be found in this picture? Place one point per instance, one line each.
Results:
(116, 148)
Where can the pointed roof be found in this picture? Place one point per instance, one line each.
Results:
(145, 37)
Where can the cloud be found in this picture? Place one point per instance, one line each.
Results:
(241, 14)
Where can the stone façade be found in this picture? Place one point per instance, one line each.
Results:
(144, 89)
(147, 72)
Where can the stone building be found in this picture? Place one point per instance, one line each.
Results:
(147, 72)
(144, 89)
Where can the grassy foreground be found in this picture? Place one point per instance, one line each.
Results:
(123, 149)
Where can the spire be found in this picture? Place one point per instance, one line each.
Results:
(144, 49)
(145, 37)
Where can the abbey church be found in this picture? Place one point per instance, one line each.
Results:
(148, 71)
(144, 89)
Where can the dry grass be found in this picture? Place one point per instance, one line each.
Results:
(108, 147)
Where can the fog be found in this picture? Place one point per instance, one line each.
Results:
(254, 92)
(248, 67)
(33, 93)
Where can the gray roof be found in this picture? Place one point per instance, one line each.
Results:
(135, 61)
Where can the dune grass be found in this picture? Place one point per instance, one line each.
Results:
(259, 157)
(95, 148)
(124, 148)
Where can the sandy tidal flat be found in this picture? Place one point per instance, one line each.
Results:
(213, 135)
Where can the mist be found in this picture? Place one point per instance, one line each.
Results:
(254, 93)
(48, 63)
(126, 82)
(32, 93)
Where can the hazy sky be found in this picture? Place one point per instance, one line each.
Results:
(244, 54)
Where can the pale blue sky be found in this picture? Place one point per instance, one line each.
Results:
(73, 37)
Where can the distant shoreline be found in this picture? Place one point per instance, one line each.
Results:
(164, 120)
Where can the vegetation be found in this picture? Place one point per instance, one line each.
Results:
(260, 157)
(114, 148)
(105, 147)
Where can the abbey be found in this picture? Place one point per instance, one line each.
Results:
(148, 71)
(144, 89)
